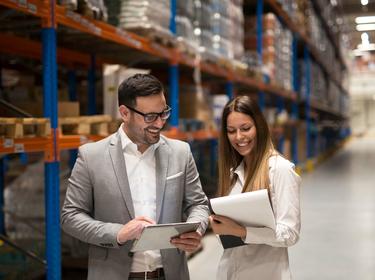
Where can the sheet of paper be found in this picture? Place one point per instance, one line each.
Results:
(248, 209)
(156, 237)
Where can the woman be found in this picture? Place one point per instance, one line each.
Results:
(248, 162)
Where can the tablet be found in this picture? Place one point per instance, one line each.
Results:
(155, 237)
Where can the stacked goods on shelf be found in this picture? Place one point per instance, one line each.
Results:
(146, 16)
(237, 28)
(296, 9)
(277, 46)
(319, 37)
(184, 26)
(95, 9)
(218, 26)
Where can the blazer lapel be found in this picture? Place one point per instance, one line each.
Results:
(118, 161)
(161, 160)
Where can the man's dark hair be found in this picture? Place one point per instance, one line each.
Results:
(138, 85)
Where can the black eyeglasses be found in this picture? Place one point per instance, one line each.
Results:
(151, 117)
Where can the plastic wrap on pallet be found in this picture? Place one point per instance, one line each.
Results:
(185, 31)
(202, 15)
(145, 14)
(185, 8)
(276, 52)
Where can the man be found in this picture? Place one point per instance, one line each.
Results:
(132, 179)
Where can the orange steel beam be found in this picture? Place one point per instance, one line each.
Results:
(32, 7)
(67, 142)
(14, 45)
(110, 33)
(33, 144)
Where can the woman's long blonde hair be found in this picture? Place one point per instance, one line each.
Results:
(257, 172)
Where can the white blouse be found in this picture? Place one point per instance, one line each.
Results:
(265, 256)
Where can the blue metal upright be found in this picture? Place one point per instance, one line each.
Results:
(280, 108)
(229, 90)
(294, 113)
(72, 86)
(173, 94)
(173, 74)
(51, 171)
(260, 6)
(307, 61)
(91, 110)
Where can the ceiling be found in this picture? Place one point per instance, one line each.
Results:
(350, 9)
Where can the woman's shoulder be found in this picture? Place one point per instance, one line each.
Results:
(278, 162)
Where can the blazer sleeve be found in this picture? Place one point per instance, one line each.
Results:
(77, 211)
(285, 195)
(195, 204)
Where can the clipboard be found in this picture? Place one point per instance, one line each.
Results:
(156, 237)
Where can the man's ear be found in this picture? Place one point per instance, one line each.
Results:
(124, 112)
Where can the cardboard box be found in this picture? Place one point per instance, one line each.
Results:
(68, 109)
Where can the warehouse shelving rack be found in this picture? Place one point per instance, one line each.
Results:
(310, 52)
(107, 43)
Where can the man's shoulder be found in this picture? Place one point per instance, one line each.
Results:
(98, 145)
(174, 144)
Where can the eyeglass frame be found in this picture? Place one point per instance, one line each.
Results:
(154, 114)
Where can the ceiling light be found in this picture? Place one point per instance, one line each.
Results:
(364, 2)
(365, 27)
(334, 3)
(362, 20)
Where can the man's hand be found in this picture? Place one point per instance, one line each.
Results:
(188, 241)
(225, 226)
(133, 229)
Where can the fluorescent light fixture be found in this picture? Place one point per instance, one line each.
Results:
(365, 27)
(364, 2)
(366, 47)
(363, 20)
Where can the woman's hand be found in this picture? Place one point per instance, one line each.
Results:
(225, 226)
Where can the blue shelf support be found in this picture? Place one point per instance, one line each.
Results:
(172, 22)
(259, 28)
(294, 113)
(229, 90)
(72, 86)
(51, 170)
(91, 110)
(173, 73)
(280, 107)
(174, 95)
(307, 61)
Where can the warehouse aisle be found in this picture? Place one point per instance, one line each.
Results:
(338, 226)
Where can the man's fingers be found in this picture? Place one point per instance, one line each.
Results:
(193, 235)
(146, 219)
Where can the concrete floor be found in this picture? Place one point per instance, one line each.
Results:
(337, 240)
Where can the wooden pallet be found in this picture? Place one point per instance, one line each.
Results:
(85, 125)
(24, 127)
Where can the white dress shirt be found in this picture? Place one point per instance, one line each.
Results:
(140, 169)
(265, 256)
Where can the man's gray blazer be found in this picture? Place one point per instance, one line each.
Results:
(98, 203)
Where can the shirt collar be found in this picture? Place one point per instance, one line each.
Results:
(240, 171)
(126, 143)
